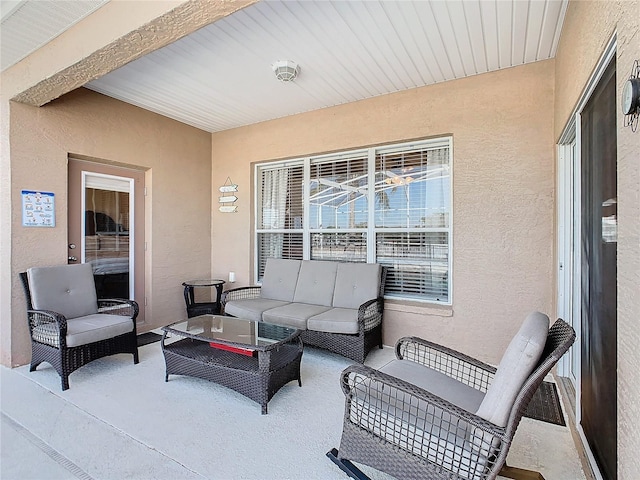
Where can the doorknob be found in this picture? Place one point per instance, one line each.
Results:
(72, 259)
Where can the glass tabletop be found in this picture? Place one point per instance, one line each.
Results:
(203, 283)
(237, 331)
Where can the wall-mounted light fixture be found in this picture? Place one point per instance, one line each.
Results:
(286, 70)
(631, 98)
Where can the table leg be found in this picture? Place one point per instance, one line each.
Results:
(264, 367)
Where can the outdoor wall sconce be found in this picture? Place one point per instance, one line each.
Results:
(631, 98)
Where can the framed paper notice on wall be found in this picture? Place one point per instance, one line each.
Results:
(38, 209)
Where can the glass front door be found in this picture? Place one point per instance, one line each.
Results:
(106, 234)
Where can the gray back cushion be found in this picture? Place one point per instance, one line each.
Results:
(316, 282)
(355, 284)
(516, 365)
(66, 289)
(280, 277)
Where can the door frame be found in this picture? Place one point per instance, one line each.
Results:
(132, 236)
(138, 245)
(569, 281)
(568, 256)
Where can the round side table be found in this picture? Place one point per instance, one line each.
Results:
(202, 308)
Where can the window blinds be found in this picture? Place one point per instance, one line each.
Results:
(321, 208)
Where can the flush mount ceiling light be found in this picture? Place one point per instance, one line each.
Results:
(286, 70)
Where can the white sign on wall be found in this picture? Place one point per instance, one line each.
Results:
(38, 209)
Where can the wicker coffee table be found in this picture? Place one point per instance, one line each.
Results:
(253, 358)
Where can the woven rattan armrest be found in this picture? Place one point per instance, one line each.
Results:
(118, 306)
(241, 293)
(365, 384)
(370, 314)
(445, 360)
(52, 324)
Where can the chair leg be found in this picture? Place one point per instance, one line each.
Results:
(65, 382)
(519, 473)
(346, 466)
(135, 357)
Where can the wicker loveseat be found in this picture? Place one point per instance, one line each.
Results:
(337, 305)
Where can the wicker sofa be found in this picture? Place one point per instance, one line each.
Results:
(337, 305)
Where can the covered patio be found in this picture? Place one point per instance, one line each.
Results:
(104, 428)
(179, 99)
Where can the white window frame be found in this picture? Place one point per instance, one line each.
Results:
(372, 230)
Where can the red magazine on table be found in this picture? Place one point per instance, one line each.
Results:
(242, 351)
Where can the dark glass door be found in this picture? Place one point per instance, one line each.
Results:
(599, 273)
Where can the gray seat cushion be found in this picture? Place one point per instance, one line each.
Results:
(316, 282)
(293, 314)
(65, 289)
(336, 320)
(517, 363)
(437, 383)
(280, 277)
(96, 327)
(356, 283)
(418, 427)
(251, 308)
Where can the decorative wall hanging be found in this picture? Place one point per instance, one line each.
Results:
(228, 199)
(631, 98)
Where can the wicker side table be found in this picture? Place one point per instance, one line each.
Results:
(201, 308)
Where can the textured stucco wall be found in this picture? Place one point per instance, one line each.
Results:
(503, 189)
(177, 159)
(587, 30)
(113, 35)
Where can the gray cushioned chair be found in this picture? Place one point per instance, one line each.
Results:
(434, 413)
(69, 326)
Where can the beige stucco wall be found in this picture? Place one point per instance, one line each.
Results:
(588, 28)
(111, 36)
(176, 158)
(503, 194)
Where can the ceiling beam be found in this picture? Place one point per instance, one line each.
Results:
(111, 37)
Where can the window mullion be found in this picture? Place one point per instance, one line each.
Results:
(306, 192)
(371, 221)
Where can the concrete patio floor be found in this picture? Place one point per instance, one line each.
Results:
(122, 421)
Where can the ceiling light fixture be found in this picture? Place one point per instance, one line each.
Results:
(286, 70)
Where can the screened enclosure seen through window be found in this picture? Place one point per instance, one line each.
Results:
(389, 205)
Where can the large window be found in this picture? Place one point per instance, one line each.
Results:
(389, 205)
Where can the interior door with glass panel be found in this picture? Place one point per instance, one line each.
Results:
(104, 228)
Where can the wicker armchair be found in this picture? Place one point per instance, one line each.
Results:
(69, 327)
(436, 422)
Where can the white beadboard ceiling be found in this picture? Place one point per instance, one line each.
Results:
(220, 76)
(27, 25)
